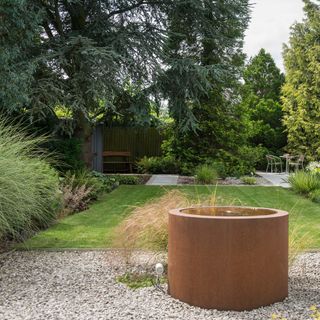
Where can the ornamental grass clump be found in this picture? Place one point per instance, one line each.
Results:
(29, 186)
(299, 241)
(147, 226)
(249, 180)
(206, 174)
(304, 182)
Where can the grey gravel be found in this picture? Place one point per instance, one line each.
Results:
(81, 285)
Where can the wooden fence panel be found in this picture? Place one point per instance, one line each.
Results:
(139, 142)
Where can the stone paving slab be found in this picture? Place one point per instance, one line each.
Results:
(163, 180)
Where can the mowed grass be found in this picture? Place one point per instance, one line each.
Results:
(94, 228)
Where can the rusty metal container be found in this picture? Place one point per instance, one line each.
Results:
(228, 258)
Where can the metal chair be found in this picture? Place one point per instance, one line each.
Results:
(273, 163)
(297, 162)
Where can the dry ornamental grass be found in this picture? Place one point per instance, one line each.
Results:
(147, 226)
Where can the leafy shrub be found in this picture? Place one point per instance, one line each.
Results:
(68, 150)
(206, 174)
(146, 165)
(249, 180)
(29, 186)
(220, 167)
(159, 165)
(315, 195)
(240, 163)
(314, 167)
(304, 182)
(108, 183)
(126, 179)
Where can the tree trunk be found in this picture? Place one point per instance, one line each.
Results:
(83, 131)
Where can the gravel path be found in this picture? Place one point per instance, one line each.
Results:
(81, 285)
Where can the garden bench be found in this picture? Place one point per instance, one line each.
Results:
(118, 157)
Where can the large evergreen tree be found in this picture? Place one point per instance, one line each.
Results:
(18, 36)
(301, 91)
(219, 55)
(83, 53)
(261, 101)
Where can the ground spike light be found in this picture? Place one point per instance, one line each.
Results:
(159, 269)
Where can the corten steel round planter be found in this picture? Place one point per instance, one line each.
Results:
(228, 258)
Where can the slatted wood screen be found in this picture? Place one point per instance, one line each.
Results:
(139, 142)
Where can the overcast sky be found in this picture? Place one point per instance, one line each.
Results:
(270, 26)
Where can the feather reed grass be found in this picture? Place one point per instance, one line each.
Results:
(29, 187)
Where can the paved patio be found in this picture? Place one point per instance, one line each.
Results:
(277, 179)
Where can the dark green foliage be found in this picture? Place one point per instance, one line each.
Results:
(215, 30)
(126, 179)
(240, 163)
(87, 56)
(132, 108)
(220, 125)
(159, 165)
(220, 135)
(262, 77)
(261, 102)
(18, 37)
(301, 103)
(68, 152)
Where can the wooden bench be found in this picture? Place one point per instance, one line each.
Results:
(125, 159)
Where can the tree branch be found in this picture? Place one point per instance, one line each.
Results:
(53, 16)
(47, 30)
(57, 17)
(129, 8)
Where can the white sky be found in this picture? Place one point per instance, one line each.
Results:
(270, 26)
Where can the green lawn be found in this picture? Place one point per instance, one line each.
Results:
(93, 228)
